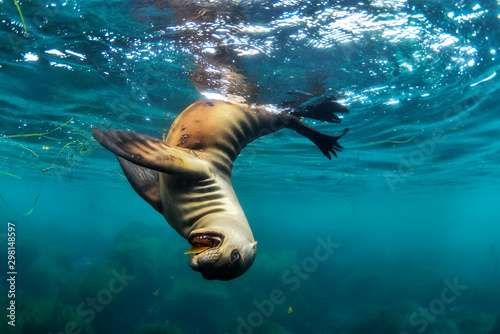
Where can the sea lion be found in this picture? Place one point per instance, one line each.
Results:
(187, 176)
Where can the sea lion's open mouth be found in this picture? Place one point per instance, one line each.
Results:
(204, 240)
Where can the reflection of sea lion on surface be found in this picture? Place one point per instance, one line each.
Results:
(218, 69)
(187, 176)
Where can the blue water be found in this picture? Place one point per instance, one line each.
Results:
(408, 211)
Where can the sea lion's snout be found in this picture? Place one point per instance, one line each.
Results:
(220, 257)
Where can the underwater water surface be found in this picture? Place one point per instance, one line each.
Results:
(399, 234)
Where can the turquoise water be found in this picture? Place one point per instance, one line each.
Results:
(399, 234)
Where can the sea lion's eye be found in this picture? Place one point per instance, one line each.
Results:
(235, 256)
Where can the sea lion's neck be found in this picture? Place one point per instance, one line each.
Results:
(224, 221)
(187, 203)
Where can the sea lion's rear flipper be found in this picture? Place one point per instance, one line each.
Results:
(152, 153)
(323, 110)
(320, 108)
(325, 143)
(144, 181)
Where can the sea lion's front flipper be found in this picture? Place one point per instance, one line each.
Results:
(144, 181)
(152, 153)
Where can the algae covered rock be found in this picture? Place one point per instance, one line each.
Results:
(270, 327)
(152, 328)
(48, 315)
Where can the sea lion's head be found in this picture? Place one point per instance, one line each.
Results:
(221, 252)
